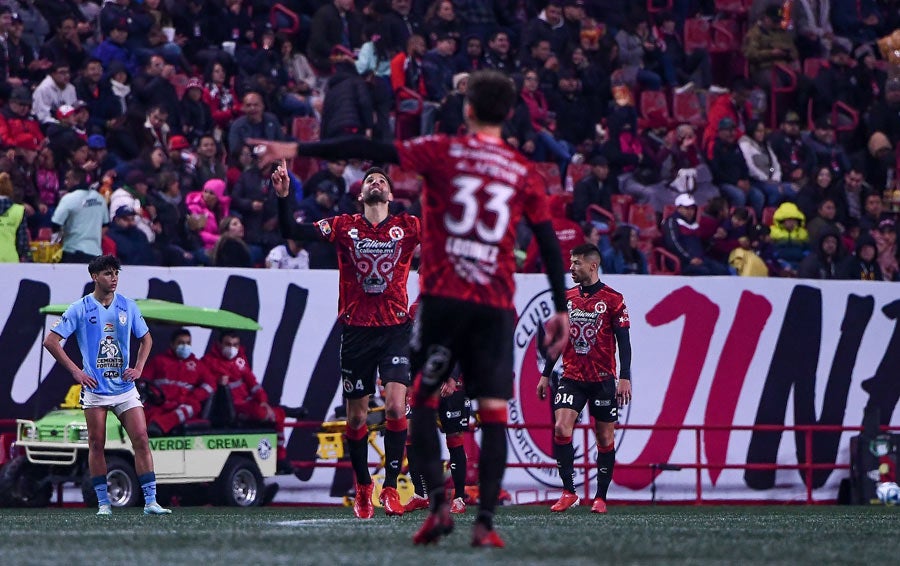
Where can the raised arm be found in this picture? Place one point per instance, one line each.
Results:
(289, 229)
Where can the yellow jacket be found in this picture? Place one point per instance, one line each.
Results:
(780, 235)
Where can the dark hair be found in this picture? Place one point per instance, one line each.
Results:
(741, 213)
(229, 333)
(378, 171)
(491, 95)
(78, 174)
(621, 241)
(60, 64)
(716, 206)
(179, 332)
(588, 251)
(103, 262)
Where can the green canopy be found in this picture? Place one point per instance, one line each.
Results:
(155, 310)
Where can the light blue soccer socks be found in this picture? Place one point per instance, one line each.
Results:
(99, 483)
(148, 486)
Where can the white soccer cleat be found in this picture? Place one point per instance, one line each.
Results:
(104, 510)
(156, 509)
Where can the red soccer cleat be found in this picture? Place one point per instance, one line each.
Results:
(362, 503)
(458, 506)
(415, 503)
(599, 506)
(390, 499)
(484, 537)
(436, 525)
(566, 500)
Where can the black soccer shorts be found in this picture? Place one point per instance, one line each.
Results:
(477, 337)
(600, 397)
(370, 352)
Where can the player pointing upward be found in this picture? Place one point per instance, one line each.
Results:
(477, 188)
(375, 250)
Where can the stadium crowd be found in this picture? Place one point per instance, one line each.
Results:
(690, 136)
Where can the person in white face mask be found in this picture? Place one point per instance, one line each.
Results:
(228, 363)
(179, 385)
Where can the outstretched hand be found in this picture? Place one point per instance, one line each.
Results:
(556, 334)
(281, 181)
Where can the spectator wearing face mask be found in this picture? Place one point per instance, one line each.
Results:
(228, 363)
(178, 386)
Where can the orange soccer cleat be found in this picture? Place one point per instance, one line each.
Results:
(436, 525)
(484, 537)
(390, 499)
(566, 500)
(415, 503)
(599, 506)
(362, 503)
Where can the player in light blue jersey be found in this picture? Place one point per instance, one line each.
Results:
(103, 323)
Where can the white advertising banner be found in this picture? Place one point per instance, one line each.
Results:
(708, 352)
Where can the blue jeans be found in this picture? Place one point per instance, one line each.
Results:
(548, 147)
(753, 198)
(776, 192)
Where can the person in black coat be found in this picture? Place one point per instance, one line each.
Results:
(327, 32)
(595, 188)
(132, 247)
(575, 116)
(195, 114)
(252, 196)
(348, 105)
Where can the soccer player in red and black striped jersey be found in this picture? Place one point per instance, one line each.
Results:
(476, 190)
(375, 251)
(598, 320)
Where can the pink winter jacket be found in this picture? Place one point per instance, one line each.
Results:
(196, 205)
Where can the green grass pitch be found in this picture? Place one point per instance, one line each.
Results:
(326, 536)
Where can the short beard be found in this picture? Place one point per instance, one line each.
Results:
(375, 198)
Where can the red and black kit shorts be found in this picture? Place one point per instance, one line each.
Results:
(477, 337)
(372, 352)
(600, 396)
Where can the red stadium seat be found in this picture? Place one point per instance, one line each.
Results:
(812, 65)
(725, 36)
(575, 173)
(663, 262)
(620, 206)
(550, 173)
(696, 34)
(654, 110)
(281, 13)
(686, 109)
(768, 215)
(596, 213)
(643, 217)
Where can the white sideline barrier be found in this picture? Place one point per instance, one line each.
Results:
(703, 348)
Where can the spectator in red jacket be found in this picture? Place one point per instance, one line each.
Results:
(179, 385)
(17, 127)
(229, 365)
(734, 105)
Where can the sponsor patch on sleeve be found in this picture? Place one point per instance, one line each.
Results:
(324, 227)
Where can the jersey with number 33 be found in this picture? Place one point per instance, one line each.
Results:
(476, 190)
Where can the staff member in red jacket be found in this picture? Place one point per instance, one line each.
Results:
(228, 363)
(183, 382)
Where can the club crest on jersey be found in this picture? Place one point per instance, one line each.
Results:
(600, 307)
(396, 233)
(535, 446)
(324, 227)
(123, 318)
